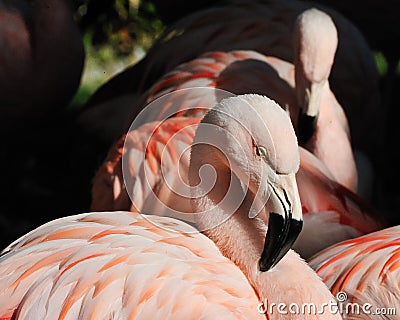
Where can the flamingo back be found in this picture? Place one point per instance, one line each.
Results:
(143, 267)
(366, 269)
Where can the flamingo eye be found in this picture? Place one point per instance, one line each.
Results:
(261, 152)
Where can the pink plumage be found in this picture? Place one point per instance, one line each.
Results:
(121, 265)
(366, 269)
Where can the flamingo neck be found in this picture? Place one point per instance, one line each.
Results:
(332, 127)
(222, 213)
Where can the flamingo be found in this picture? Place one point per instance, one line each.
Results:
(265, 27)
(41, 58)
(364, 270)
(130, 265)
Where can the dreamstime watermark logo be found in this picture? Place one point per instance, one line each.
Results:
(159, 147)
(339, 306)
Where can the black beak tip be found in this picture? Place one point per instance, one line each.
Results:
(281, 235)
(266, 264)
(306, 127)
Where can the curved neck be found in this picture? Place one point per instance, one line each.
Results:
(332, 126)
(226, 220)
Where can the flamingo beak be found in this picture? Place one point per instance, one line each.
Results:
(285, 221)
(309, 110)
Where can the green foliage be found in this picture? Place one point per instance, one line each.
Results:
(116, 34)
(121, 24)
(381, 63)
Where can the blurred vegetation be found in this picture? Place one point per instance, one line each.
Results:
(116, 34)
(382, 64)
(120, 23)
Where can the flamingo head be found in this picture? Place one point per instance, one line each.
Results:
(315, 42)
(254, 142)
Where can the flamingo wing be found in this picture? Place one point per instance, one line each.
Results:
(329, 206)
(367, 268)
(214, 70)
(236, 72)
(146, 170)
(120, 265)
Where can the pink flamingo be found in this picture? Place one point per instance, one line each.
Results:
(265, 26)
(41, 58)
(126, 265)
(366, 270)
